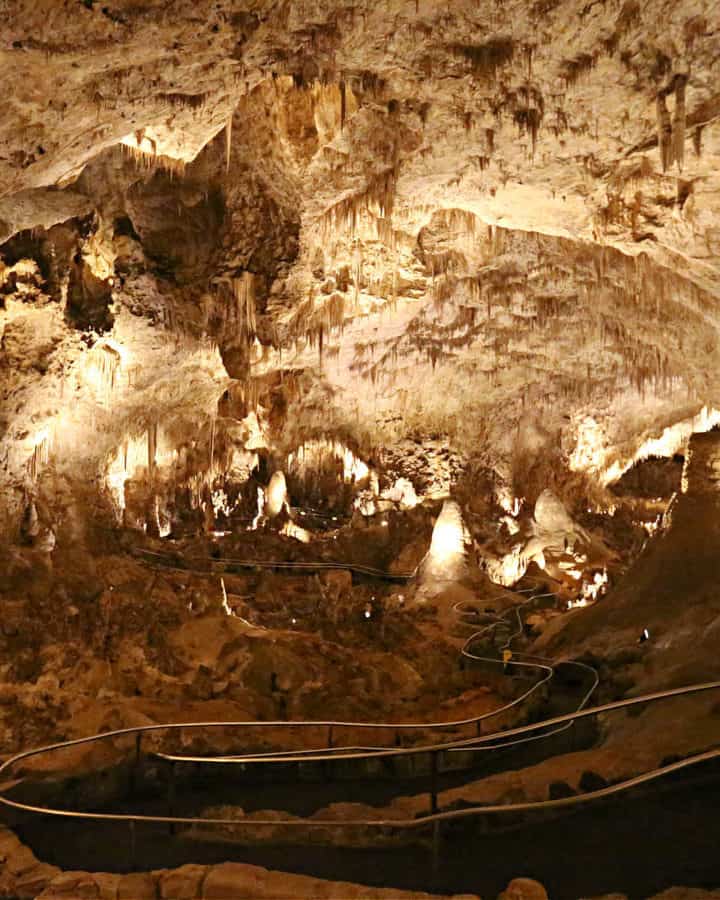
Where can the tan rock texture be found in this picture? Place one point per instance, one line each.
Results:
(496, 225)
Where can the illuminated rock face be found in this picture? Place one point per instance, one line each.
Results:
(446, 559)
(276, 495)
(553, 525)
(379, 221)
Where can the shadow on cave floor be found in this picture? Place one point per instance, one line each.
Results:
(638, 845)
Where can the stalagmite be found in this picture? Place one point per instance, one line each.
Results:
(275, 495)
(447, 555)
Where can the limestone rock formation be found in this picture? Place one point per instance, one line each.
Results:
(494, 225)
(415, 286)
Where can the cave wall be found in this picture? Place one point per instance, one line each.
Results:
(492, 227)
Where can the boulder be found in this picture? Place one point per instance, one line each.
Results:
(230, 880)
(551, 516)
(336, 583)
(71, 886)
(9, 843)
(524, 889)
(138, 886)
(108, 884)
(236, 881)
(35, 880)
(20, 860)
(184, 883)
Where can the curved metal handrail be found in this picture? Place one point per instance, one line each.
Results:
(328, 753)
(338, 752)
(275, 564)
(398, 823)
(541, 662)
(395, 726)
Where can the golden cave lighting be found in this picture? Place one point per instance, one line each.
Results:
(276, 497)
(290, 529)
(313, 453)
(592, 452)
(447, 547)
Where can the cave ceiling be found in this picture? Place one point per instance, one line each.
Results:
(493, 223)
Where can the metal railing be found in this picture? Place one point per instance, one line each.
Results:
(318, 565)
(435, 816)
(546, 667)
(542, 663)
(7, 767)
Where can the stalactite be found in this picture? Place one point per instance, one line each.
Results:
(378, 195)
(228, 142)
(356, 276)
(528, 116)
(529, 50)
(697, 141)
(572, 69)
(243, 289)
(678, 122)
(665, 142)
(103, 364)
(152, 436)
(186, 101)
(151, 162)
(39, 457)
(485, 59)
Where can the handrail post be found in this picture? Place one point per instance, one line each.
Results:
(330, 737)
(171, 796)
(436, 849)
(133, 846)
(433, 781)
(136, 764)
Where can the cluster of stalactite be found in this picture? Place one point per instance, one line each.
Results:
(40, 456)
(106, 361)
(573, 295)
(163, 484)
(490, 63)
(377, 197)
(153, 162)
(315, 320)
